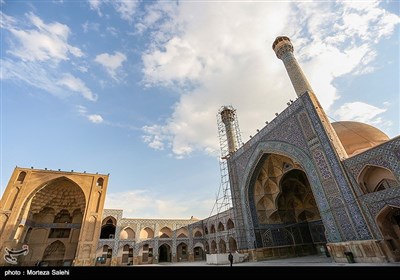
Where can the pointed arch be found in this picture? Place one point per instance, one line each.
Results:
(250, 172)
(213, 247)
(54, 253)
(21, 177)
(207, 247)
(182, 232)
(146, 233)
(127, 234)
(230, 224)
(164, 253)
(182, 252)
(374, 178)
(198, 251)
(222, 246)
(49, 210)
(232, 244)
(197, 232)
(165, 232)
(212, 230)
(221, 226)
(388, 220)
(108, 228)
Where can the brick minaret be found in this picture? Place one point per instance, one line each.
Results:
(228, 118)
(283, 49)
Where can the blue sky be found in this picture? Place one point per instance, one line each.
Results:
(132, 88)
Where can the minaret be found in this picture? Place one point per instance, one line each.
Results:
(228, 118)
(283, 49)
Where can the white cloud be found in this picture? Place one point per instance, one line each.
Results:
(126, 9)
(222, 55)
(95, 5)
(90, 26)
(36, 52)
(137, 202)
(31, 73)
(77, 85)
(37, 75)
(45, 42)
(6, 21)
(361, 112)
(178, 62)
(111, 63)
(155, 137)
(113, 31)
(95, 118)
(81, 109)
(153, 14)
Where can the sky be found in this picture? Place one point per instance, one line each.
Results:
(132, 88)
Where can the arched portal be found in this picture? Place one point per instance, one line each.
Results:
(54, 223)
(222, 246)
(54, 254)
(207, 247)
(182, 252)
(213, 247)
(164, 253)
(388, 221)
(198, 252)
(285, 213)
(232, 244)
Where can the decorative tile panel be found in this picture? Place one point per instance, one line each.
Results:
(307, 128)
(320, 161)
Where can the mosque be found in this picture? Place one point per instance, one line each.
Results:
(300, 186)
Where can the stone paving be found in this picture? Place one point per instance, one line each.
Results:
(315, 260)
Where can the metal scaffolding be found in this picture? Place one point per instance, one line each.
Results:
(229, 141)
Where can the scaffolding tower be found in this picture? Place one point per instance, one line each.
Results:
(229, 141)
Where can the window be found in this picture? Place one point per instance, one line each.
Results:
(100, 182)
(21, 177)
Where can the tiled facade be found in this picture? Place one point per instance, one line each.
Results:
(353, 218)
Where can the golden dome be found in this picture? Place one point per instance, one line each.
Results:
(357, 137)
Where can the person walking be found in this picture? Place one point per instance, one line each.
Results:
(230, 258)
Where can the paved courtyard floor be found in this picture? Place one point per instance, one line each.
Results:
(314, 260)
